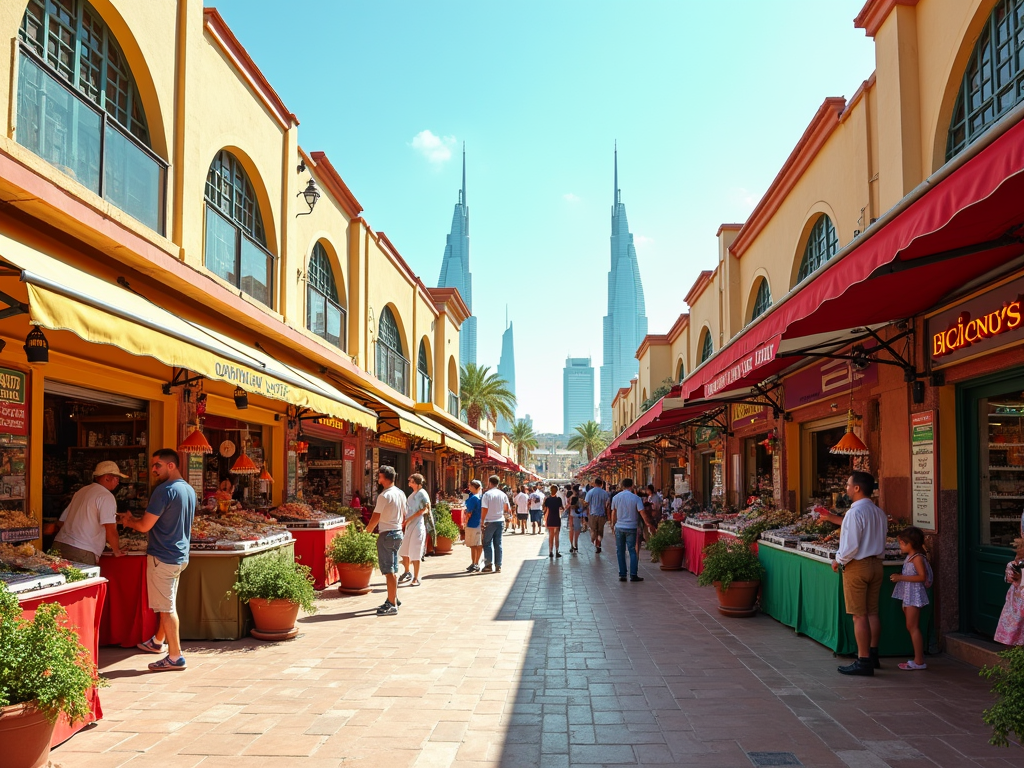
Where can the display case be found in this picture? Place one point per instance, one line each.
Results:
(1002, 461)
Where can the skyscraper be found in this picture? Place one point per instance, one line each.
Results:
(577, 393)
(455, 268)
(625, 325)
(507, 370)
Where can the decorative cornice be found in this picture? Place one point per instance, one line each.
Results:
(450, 301)
(680, 325)
(331, 180)
(703, 281)
(247, 68)
(875, 12)
(727, 228)
(651, 340)
(821, 127)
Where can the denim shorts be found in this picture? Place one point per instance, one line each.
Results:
(388, 544)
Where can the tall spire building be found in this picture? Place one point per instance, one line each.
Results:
(507, 369)
(625, 325)
(455, 269)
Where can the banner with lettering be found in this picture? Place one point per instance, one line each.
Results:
(13, 403)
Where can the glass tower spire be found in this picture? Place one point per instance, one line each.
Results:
(455, 269)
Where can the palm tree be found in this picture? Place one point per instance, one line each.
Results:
(484, 393)
(523, 440)
(589, 438)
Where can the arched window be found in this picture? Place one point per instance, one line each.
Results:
(680, 372)
(822, 245)
(762, 301)
(993, 81)
(324, 314)
(392, 367)
(236, 243)
(424, 386)
(707, 347)
(79, 108)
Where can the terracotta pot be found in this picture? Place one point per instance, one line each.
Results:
(739, 599)
(443, 546)
(672, 558)
(429, 550)
(274, 616)
(25, 734)
(354, 578)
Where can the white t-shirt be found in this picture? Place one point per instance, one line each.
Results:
(391, 505)
(522, 504)
(494, 501)
(90, 509)
(537, 501)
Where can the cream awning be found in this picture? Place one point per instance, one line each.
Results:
(451, 438)
(65, 298)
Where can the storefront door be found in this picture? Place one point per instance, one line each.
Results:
(991, 437)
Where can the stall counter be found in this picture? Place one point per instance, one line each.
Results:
(127, 619)
(310, 547)
(695, 539)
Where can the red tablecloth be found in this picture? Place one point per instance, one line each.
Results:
(83, 600)
(127, 619)
(310, 545)
(694, 541)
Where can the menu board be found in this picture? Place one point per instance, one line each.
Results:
(922, 468)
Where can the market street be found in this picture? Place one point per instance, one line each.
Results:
(547, 664)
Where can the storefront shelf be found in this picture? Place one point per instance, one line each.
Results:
(1004, 519)
(1009, 498)
(997, 446)
(108, 448)
(1007, 469)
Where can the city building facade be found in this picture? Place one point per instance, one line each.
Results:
(507, 370)
(577, 393)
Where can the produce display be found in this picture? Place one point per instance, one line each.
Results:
(236, 529)
(15, 518)
(131, 540)
(300, 515)
(25, 557)
(297, 511)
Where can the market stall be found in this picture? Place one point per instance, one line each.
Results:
(126, 619)
(313, 532)
(696, 536)
(801, 590)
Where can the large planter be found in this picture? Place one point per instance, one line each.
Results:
(25, 734)
(739, 599)
(274, 619)
(443, 546)
(354, 578)
(672, 558)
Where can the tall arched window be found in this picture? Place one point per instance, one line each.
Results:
(680, 372)
(762, 301)
(424, 386)
(324, 314)
(236, 243)
(392, 367)
(822, 245)
(707, 347)
(79, 108)
(993, 81)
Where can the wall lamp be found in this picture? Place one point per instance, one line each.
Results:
(310, 194)
(37, 348)
(241, 399)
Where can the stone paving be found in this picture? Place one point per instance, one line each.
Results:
(545, 664)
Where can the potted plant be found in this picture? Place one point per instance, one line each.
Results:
(667, 545)
(1007, 714)
(736, 573)
(445, 529)
(46, 673)
(354, 553)
(275, 587)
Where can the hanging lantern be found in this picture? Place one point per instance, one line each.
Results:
(244, 465)
(302, 447)
(37, 348)
(196, 442)
(850, 445)
(265, 476)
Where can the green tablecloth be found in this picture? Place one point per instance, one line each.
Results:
(204, 610)
(805, 593)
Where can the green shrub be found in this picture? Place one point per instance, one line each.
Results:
(447, 529)
(44, 662)
(668, 534)
(1007, 714)
(729, 561)
(354, 546)
(275, 576)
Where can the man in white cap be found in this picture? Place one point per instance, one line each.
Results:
(90, 521)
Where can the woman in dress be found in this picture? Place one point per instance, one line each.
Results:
(553, 520)
(415, 540)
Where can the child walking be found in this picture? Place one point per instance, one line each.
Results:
(1010, 630)
(912, 588)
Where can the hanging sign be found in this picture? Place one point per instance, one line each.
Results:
(705, 434)
(746, 365)
(982, 324)
(13, 410)
(348, 452)
(922, 468)
(196, 462)
(395, 440)
(743, 415)
(827, 379)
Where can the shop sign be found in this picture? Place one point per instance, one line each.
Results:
(326, 421)
(250, 380)
(984, 323)
(760, 356)
(195, 472)
(13, 409)
(395, 440)
(705, 434)
(324, 464)
(348, 452)
(922, 458)
(826, 379)
(744, 414)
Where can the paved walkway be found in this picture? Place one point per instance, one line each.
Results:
(545, 664)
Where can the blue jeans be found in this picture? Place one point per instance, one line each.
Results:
(625, 538)
(492, 535)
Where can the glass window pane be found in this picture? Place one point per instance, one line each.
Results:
(221, 239)
(334, 328)
(1002, 465)
(132, 180)
(316, 313)
(255, 271)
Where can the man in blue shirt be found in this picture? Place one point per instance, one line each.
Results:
(598, 500)
(168, 520)
(626, 510)
(474, 535)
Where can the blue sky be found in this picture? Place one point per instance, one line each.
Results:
(706, 101)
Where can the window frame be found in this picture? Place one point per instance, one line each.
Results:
(424, 382)
(762, 299)
(821, 245)
(320, 282)
(707, 347)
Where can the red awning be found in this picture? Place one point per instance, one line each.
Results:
(964, 227)
(490, 456)
(670, 418)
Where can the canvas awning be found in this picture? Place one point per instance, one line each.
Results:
(451, 438)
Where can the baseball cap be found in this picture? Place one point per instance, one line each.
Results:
(108, 468)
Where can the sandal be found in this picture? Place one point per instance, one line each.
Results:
(910, 666)
(152, 646)
(414, 583)
(166, 665)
